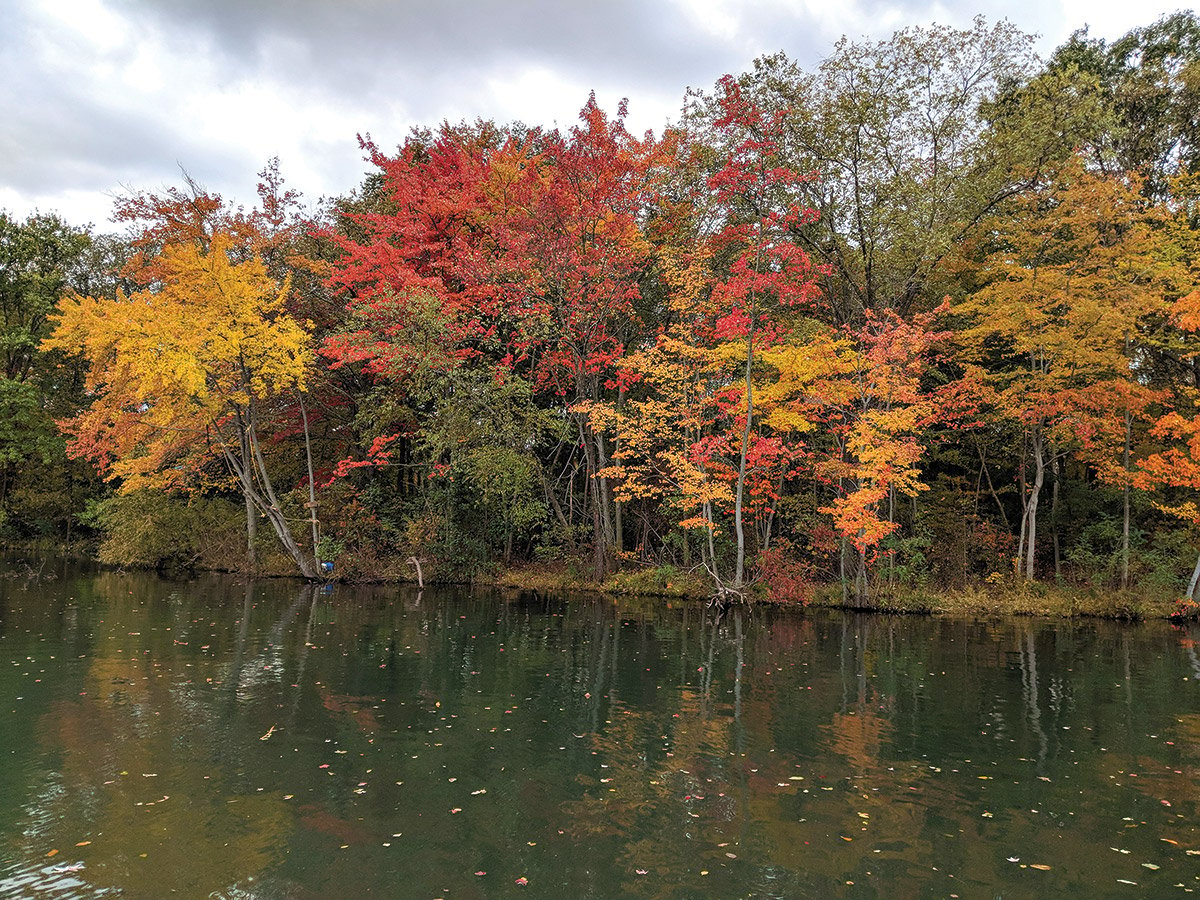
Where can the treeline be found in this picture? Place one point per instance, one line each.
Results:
(927, 314)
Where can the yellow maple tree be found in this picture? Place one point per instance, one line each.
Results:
(181, 370)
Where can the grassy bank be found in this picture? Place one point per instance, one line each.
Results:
(997, 601)
(977, 601)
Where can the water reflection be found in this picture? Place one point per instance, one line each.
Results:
(260, 739)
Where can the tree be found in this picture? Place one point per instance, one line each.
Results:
(697, 434)
(914, 140)
(39, 259)
(766, 265)
(523, 249)
(1067, 275)
(1150, 79)
(183, 369)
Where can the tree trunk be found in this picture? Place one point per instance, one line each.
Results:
(593, 449)
(1039, 478)
(891, 520)
(1024, 490)
(992, 488)
(249, 467)
(842, 571)
(862, 595)
(1191, 589)
(312, 496)
(1125, 504)
(712, 550)
(618, 507)
(1056, 470)
(274, 512)
(251, 510)
(739, 567)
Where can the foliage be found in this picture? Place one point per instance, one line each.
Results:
(155, 529)
(923, 315)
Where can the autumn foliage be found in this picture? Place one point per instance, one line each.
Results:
(887, 332)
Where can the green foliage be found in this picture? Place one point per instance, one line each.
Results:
(150, 528)
(656, 580)
(40, 258)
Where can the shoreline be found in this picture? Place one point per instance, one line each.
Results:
(982, 601)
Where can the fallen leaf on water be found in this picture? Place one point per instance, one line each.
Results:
(522, 881)
(1151, 866)
(641, 871)
(52, 853)
(1040, 866)
(83, 843)
(456, 809)
(481, 872)
(270, 731)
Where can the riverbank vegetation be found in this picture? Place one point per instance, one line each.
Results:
(922, 318)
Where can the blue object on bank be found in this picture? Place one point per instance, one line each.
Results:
(326, 568)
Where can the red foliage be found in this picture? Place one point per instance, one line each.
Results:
(787, 579)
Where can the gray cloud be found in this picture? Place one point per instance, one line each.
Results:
(220, 86)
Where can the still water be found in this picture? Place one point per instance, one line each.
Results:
(219, 738)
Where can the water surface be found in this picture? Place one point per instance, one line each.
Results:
(230, 739)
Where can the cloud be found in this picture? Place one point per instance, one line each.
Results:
(100, 93)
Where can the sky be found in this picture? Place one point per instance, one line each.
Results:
(100, 97)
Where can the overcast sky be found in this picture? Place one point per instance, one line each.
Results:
(97, 95)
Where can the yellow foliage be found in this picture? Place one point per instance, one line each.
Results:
(174, 363)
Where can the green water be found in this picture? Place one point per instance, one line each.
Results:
(217, 738)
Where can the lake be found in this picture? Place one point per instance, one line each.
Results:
(218, 738)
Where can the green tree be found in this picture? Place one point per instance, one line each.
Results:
(914, 140)
(40, 258)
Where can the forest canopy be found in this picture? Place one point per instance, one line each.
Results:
(924, 314)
